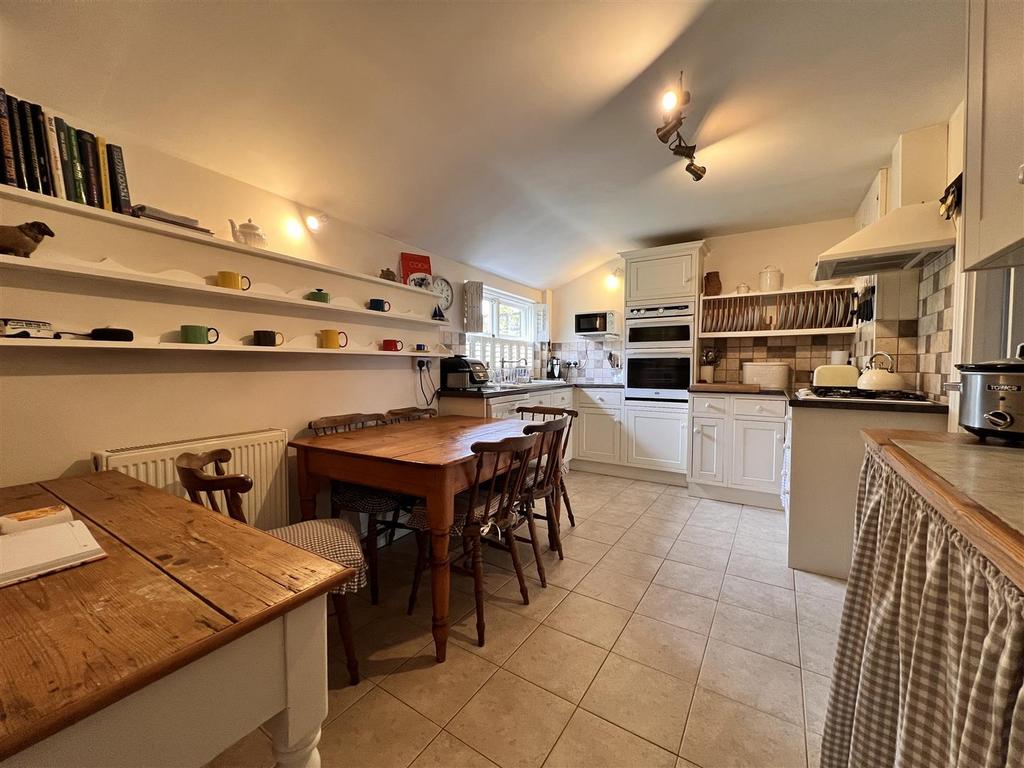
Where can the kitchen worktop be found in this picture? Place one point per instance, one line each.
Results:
(511, 389)
(711, 389)
(847, 405)
(978, 487)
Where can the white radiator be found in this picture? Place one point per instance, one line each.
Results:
(261, 455)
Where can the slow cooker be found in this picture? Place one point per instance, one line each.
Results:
(992, 397)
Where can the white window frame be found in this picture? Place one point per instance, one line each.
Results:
(491, 347)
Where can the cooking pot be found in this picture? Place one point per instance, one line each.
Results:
(992, 397)
(880, 377)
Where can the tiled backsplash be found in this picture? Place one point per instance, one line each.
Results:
(802, 353)
(935, 328)
(593, 357)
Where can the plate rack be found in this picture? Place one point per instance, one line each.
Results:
(796, 312)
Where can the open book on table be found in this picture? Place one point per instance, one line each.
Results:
(35, 542)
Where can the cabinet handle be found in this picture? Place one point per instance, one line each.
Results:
(1020, 175)
(600, 399)
(696, 430)
(759, 408)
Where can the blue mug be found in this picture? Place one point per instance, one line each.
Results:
(380, 305)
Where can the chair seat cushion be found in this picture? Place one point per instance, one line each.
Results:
(333, 539)
(418, 518)
(365, 500)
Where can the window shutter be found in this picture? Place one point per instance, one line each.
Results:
(472, 299)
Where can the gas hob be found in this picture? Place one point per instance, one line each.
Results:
(854, 395)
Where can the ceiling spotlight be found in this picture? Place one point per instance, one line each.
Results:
(697, 171)
(670, 129)
(672, 102)
(314, 223)
(669, 101)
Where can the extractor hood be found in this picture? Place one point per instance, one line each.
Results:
(901, 239)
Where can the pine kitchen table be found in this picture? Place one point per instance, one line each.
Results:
(193, 631)
(428, 458)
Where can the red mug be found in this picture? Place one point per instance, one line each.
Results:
(392, 345)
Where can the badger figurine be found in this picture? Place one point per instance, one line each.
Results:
(22, 240)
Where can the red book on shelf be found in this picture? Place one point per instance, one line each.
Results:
(416, 270)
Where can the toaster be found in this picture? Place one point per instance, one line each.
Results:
(461, 372)
(835, 376)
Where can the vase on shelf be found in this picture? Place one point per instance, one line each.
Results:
(712, 284)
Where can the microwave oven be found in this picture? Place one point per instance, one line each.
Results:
(596, 324)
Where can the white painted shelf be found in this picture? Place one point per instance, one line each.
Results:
(177, 347)
(796, 332)
(182, 233)
(782, 292)
(268, 301)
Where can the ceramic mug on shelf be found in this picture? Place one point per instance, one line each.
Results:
(392, 345)
(380, 305)
(234, 280)
(199, 334)
(267, 338)
(333, 339)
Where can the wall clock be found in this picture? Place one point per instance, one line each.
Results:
(445, 292)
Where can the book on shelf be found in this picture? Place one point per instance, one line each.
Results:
(90, 168)
(19, 154)
(121, 201)
(36, 542)
(415, 268)
(42, 151)
(53, 152)
(8, 172)
(28, 147)
(101, 155)
(77, 173)
(64, 153)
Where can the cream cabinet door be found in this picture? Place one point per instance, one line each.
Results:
(660, 277)
(598, 435)
(707, 450)
(656, 439)
(757, 454)
(993, 215)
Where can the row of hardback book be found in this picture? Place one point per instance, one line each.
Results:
(42, 153)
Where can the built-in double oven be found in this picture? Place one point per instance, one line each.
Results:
(659, 351)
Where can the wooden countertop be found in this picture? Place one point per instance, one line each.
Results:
(978, 487)
(178, 582)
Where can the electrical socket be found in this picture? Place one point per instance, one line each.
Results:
(421, 363)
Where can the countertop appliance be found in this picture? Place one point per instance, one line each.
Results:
(661, 326)
(596, 324)
(461, 372)
(664, 375)
(768, 375)
(835, 376)
(992, 397)
(554, 368)
(854, 395)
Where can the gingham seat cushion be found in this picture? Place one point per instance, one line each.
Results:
(418, 518)
(333, 539)
(365, 500)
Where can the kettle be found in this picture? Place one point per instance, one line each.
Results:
(880, 377)
(248, 233)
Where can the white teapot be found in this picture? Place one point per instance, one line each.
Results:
(248, 233)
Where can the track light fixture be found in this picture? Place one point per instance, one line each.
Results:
(672, 103)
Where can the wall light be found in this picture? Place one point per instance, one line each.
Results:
(613, 279)
(293, 228)
(315, 222)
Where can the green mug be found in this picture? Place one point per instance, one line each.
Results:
(198, 334)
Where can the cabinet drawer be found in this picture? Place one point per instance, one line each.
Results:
(709, 406)
(758, 406)
(600, 398)
(561, 398)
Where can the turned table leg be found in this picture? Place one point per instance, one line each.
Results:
(440, 514)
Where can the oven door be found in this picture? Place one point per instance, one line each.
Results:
(662, 375)
(660, 333)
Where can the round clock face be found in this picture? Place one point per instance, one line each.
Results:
(444, 291)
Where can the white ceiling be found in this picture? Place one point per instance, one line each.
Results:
(518, 137)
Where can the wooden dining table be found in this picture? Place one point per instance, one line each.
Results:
(429, 459)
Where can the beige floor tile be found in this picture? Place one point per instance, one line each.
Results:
(764, 531)
(655, 526)
(709, 537)
(683, 763)
(766, 684)
(712, 558)
(638, 500)
(640, 540)
(493, 721)
(663, 646)
(611, 587)
(543, 600)
(756, 632)
(595, 530)
(672, 510)
(643, 486)
(722, 733)
(816, 688)
(252, 751)
(631, 563)
(763, 515)
(396, 603)
(386, 644)
(676, 490)
(557, 662)
(640, 699)
(495, 577)
(817, 650)
(679, 608)
(620, 515)
(341, 694)
(775, 551)
(445, 751)
(813, 750)
(502, 559)
(821, 586)
(377, 730)
(585, 550)
(565, 573)
(438, 691)
(818, 612)
(675, 503)
(719, 515)
(588, 619)
(690, 578)
(504, 631)
(756, 569)
(590, 741)
(776, 602)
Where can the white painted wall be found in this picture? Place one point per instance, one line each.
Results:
(738, 258)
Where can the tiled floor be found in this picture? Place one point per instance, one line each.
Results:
(673, 634)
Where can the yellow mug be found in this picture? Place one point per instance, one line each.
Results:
(332, 339)
(234, 280)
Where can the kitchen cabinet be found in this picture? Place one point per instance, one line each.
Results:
(993, 190)
(656, 438)
(707, 451)
(757, 452)
(597, 434)
(668, 272)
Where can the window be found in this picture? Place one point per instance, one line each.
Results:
(508, 323)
